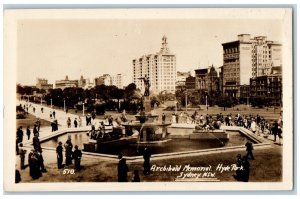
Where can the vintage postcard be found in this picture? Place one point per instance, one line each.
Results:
(173, 99)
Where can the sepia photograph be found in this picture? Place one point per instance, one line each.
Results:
(148, 99)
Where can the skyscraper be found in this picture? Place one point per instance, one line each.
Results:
(248, 58)
(159, 67)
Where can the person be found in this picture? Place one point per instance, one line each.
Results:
(77, 157)
(17, 176)
(56, 125)
(69, 122)
(17, 146)
(68, 148)
(253, 126)
(54, 114)
(52, 126)
(35, 131)
(36, 142)
(136, 176)
(79, 122)
(249, 148)
(75, 123)
(34, 167)
(20, 134)
(42, 110)
(227, 121)
(146, 164)
(279, 132)
(246, 169)
(163, 117)
(238, 172)
(50, 114)
(38, 123)
(40, 158)
(59, 153)
(33, 109)
(122, 169)
(28, 132)
(22, 153)
(275, 130)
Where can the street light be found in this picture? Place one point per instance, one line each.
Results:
(64, 105)
(206, 101)
(51, 102)
(186, 101)
(83, 109)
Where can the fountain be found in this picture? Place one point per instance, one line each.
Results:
(147, 124)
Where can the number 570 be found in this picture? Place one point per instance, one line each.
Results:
(68, 171)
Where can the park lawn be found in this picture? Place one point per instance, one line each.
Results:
(267, 167)
(30, 121)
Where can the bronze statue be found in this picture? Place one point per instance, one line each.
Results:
(146, 84)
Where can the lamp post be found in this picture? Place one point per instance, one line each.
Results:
(206, 101)
(186, 101)
(41, 101)
(64, 105)
(51, 102)
(83, 109)
(175, 106)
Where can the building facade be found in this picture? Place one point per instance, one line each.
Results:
(103, 80)
(247, 58)
(62, 84)
(160, 68)
(118, 80)
(207, 80)
(181, 80)
(43, 84)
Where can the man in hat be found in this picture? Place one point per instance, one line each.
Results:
(249, 148)
(22, 153)
(77, 157)
(75, 123)
(146, 164)
(59, 153)
(28, 132)
(122, 169)
(36, 142)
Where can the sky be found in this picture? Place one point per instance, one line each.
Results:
(54, 48)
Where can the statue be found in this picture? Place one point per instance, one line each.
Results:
(146, 84)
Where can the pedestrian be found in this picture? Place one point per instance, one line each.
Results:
(77, 157)
(35, 131)
(33, 109)
(163, 117)
(253, 126)
(227, 121)
(28, 132)
(146, 164)
(41, 161)
(56, 125)
(249, 149)
(79, 122)
(238, 172)
(68, 151)
(279, 132)
(38, 124)
(50, 114)
(246, 169)
(17, 146)
(22, 153)
(20, 134)
(122, 169)
(34, 166)
(75, 123)
(36, 142)
(275, 130)
(136, 176)
(69, 122)
(59, 153)
(17, 176)
(54, 114)
(52, 126)
(42, 110)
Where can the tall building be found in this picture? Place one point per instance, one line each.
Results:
(62, 84)
(103, 80)
(118, 80)
(43, 84)
(159, 67)
(248, 58)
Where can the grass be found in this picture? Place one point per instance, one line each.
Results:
(30, 121)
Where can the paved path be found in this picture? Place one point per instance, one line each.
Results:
(60, 116)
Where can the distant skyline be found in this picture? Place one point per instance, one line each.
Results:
(52, 49)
